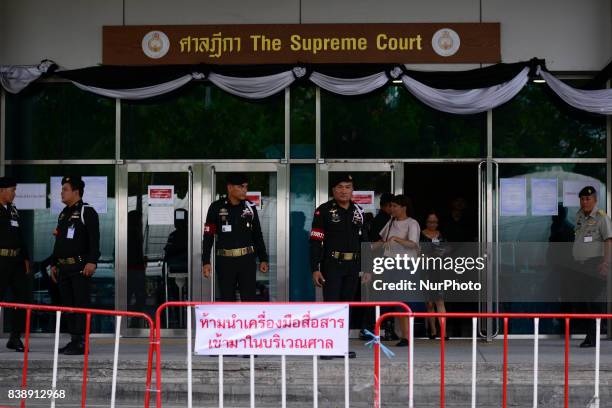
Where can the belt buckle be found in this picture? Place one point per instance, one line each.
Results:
(243, 251)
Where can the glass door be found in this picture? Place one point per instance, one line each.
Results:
(267, 189)
(370, 181)
(156, 240)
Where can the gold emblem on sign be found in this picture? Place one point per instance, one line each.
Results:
(155, 43)
(445, 41)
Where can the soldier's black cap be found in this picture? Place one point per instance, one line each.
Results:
(338, 178)
(6, 182)
(237, 178)
(587, 191)
(75, 181)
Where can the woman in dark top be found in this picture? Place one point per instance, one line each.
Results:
(433, 245)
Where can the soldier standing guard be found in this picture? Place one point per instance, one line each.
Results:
(335, 243)
(592, 252)
(235, 224)
(14, 264)
(75, 257)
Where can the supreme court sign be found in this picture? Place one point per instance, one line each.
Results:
(302, 43)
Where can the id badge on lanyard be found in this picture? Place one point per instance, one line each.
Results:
(70, 233)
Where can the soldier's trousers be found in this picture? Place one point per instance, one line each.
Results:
(236, 273)
(589, 290)
(341, 280)
(75, 291)
(13, 277)
(341, 284)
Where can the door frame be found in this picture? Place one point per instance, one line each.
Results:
(194, 173)
(205, 286)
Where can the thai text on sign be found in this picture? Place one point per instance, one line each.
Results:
(300, 329)
(302, 43)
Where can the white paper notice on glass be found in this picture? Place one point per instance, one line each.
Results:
(571, 188)
(160, 215)
(544, 199)
(161, 195)
(255, 198)
(365, 199)
(31, 196)
(96, 192)
(513, 196)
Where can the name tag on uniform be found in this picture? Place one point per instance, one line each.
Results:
(435, 241)
(70, 234)
(588, 239)
(226, 228)
(14, 223)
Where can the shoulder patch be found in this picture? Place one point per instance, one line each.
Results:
(601, 212)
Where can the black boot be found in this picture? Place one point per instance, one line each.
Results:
(76, 347)
(15, 343)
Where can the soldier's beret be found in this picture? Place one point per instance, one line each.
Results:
(338, 178)
(6, 182)
(587, 191)
(237, 178)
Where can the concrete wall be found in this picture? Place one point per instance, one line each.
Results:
(569, 34)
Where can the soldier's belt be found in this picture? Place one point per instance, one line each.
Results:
(344, 256)
(70, 261)
(235, 252)
(9, 252)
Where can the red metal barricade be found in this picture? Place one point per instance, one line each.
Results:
(193, 304)
(88, 312)
(505, 316)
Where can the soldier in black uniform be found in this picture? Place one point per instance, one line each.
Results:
(75, 257)
(235, 223)
(335, 243)
(14, 264)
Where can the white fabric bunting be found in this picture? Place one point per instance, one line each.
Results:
(14, 78)
(470, 101)
(596, 101)
(349, 86)
(253, 88)
(467, 101)
(141, 93)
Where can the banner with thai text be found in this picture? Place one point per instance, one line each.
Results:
(274, 329)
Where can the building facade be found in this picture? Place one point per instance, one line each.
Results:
(289, 144)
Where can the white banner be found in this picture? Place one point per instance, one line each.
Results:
(300, 329)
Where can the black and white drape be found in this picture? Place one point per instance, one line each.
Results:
(14, 78)
(464, 92)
